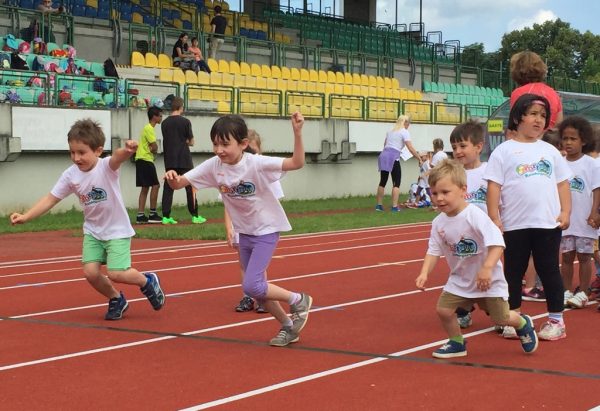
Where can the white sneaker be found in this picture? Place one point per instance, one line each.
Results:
(568, 294)
(509, 333)
(552, 331)
(579, 300)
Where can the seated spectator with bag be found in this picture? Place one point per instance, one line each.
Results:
(182, 58)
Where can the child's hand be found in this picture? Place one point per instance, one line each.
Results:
(131, 146)
(231, 239)
(484, 279)
(17, 218)
(297, 122)
(563, 220)
(594, 219)
(420, 281)
(171, 175)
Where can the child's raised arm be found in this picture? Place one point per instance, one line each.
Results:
(42, 206)
(428, 264)
(120, 155)
(175, 181)
(297, 160)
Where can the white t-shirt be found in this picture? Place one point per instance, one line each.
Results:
(463, 240)
(423, 181)
(397, 139)
(99, 192)
(529, 174)
(585, 173)
(246, 189)
(437, 157)
(477, 187)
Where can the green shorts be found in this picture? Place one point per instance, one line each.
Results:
(496, 307)
(116, 254)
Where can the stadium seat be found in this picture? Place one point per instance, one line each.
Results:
(151, 60)
(322, 76)
(285, 73)
(255, 70)
(203, 78)
(191, 77)
(164, 61)
(165, 75)
(244, 69)
(223, 66)
(213, 65)
(234, 67)
(265, 71)
(137, 59)
(179, 76)
(275, 72)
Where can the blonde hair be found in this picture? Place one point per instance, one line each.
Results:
(402, 120)
(254, 136)
(448, 168)
(527, 67)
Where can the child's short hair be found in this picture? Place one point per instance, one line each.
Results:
(254, 136)
(88, 132)
(176, 103)
(519, 109)
(438, 144)
(154, 112)
(552, 136)
(194, 39)
(229, 126)
(527, 67)
(585, 130)
(218, 9)
(471, 130)
(448, 168)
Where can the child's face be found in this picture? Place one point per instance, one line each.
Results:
(571, 142)
(448, 197)
(229, 151)
(467, 153)
(195, 43)
(158, 119)
(83, 156)
(532, 123)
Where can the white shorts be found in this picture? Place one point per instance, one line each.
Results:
(582, 245)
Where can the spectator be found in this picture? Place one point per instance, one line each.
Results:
(218, 24)
(195, 50)
(46, 8)
(182, 57)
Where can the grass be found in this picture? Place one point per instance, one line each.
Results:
(306, 216)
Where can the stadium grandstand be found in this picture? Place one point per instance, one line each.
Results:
(348, 74)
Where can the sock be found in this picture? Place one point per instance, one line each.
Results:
(522, 324)
(153, 211)
(140, 213)
(458, 338)
(294, 298)
(288, 322)
(558, 317)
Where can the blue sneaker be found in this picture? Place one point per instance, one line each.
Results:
(451, 349)
(378, 207)
(395, 209)
(527, 335)
(116, 307)
(153, 292)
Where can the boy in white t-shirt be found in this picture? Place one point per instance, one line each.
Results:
(528, 198)
(577, 137)
(438, 152)
(106, 226)
(245, 183)
(472, 246)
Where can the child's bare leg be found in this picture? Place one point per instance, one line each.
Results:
(514, 320)
(395, 196)
(129, 276)
(448, 319)
(585, 271)
(99, 281)
(275, 309)
(153, 197)
(380, 193)
(566, 269)
(142, 199)
(277, 293)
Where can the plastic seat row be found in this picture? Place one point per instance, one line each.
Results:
(451, 88)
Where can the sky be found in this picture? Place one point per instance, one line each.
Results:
(485, 21)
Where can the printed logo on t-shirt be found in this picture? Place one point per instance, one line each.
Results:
(96, 195)
(243, 189)
(477, 197)
(541, 168)
(577, 184)
(465, 248)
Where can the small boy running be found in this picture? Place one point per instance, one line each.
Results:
(145, 171)
(106, 227)
(472, 245)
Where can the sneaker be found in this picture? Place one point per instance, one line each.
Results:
(527, 335)
(499, 329)
(568, 295)
(246, 304)
(451, 349)
(552, 330)
(395, 209)
(198, 219)
(465, 321)
(509, 333)
(378, 207)
(595, 287)
(579, 300)
(300, 312)
(168, 220)
(285, 336)
(535, 294)
(141, 219)
(153, 292)
(116, 307)
(260, 309)
(154, 219)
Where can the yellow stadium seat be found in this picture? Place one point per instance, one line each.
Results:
(285, 73)
(282, 84)
(272, 84)
(261, 83)
(322, 76)
(164, 61)
(403, 94)
(356, 91)
(255, 70)
(227, 79)
(292, 85)
(372, 81)
(395, 83)
(418, 95)
(313, 75)
(137, 18)
(294, 73)
(380, 81)
(387, 82)
(364, 80)
(372, 91)
(338, 88)
(223, 66)
(356, 79)
(245, 69)
(238, 79)
(151, 60)
(191, 77)
(213, 64)
(234, 67)
(216, 78)
(92, 3)
(339, 78)
(347, 89)
(178, 23)
(275, 72)
(137, 59)
(348, 78)
(203, 78)
(302, 85)
(223, 107)
(331, 77)
(311, 86)
(265, 71)
(165, 75)
(178, 76)
(304, 75)
(251, 81)
(321, 87)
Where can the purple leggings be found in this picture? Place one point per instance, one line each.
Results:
(256, 252)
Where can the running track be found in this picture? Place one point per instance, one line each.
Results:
(367, 345)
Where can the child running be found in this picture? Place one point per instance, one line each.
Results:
(472, 245)
(577, 138)
(245, 181)
(254, 147)
(106, 227)
(467, 142)
(530, 178)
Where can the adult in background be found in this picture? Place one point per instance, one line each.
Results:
(177, 140)
(218, 24)
(182, 57)
(46, 8)
(389, 161)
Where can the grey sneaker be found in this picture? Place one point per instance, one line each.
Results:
(465, 321)
(285, 336)
(300, 312)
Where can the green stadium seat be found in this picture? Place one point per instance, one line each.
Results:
(427, 87)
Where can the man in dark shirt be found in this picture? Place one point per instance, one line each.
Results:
(177, 139)
(218, 24)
